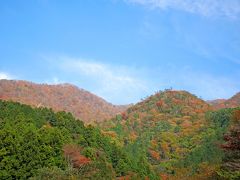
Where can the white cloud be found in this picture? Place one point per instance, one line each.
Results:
(222, 8)
(117, 84)
(4, 75)
(54, 81)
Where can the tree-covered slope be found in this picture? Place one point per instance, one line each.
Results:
(175, 132)
(40, 144)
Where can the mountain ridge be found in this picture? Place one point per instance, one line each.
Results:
(61, 97)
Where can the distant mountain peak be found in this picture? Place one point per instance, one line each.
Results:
(233, 102)
(169, 99)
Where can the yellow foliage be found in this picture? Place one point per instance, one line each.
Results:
(109, 133)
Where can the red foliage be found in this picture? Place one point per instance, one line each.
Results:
(72, 152)
(124, 116)
(124, 177)
(232, 140)
(82, 104)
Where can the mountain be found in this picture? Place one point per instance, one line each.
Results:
(169, 135)
(173, 131)
(233, 102)
(174, 107)
(63, 97)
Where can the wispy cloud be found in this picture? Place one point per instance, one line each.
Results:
(124, 84)
(217, 8)
(4, 75)
(117, 84)
(54, 81)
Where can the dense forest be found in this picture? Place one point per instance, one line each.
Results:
(179, 134)
(169, 135)
(40, 144)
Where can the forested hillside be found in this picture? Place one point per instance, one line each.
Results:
(175, 132)
(170, 135)
(40, 144)
(226, 103)
(63, 97)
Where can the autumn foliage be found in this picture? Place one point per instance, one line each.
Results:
(233, 102)
(164, 124)
(63, 97)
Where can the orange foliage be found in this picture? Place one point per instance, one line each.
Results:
(154, 154)
(154, 143)
(199, 111)
(164, 176)
(186, 124)
(236, 115)
(133, 136)
(186, 118)
(146, 178)
(109, 133)
(165, 147)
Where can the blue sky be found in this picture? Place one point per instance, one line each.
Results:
(124, 50)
